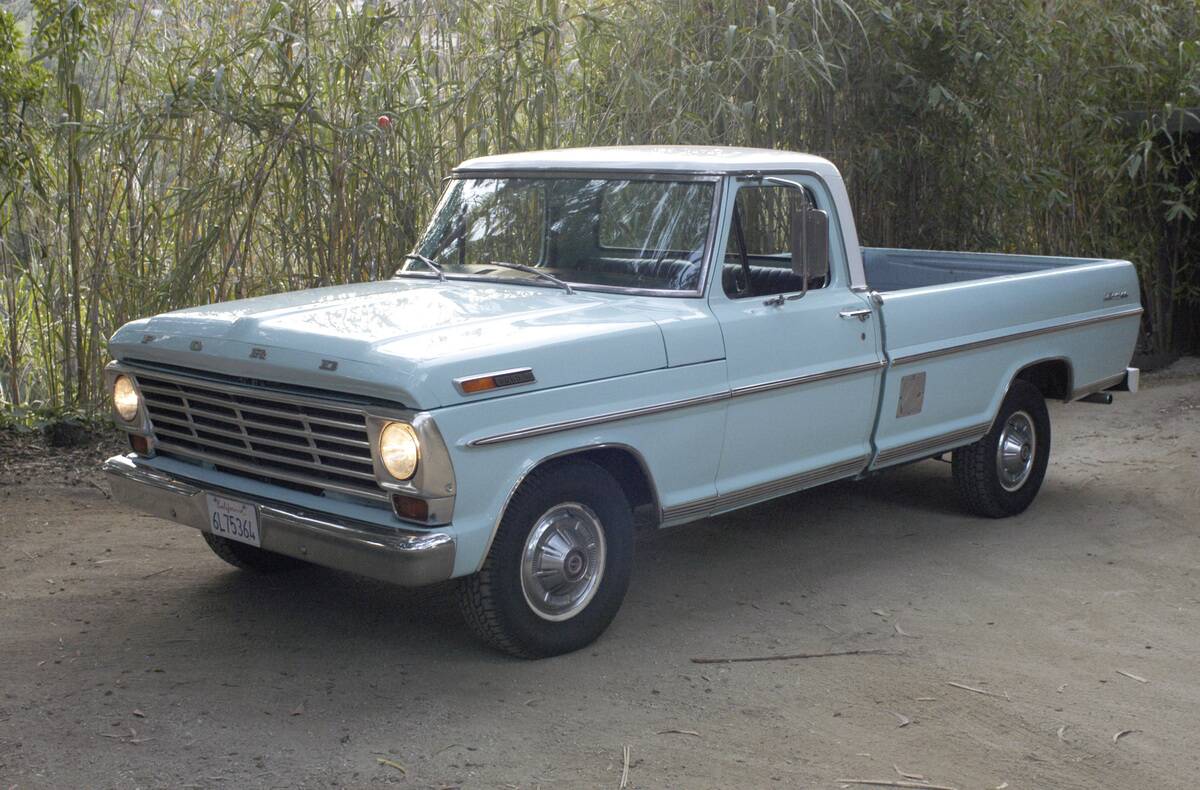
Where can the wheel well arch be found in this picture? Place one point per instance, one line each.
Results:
(625, 463)
(627, 466)
(1053, 377)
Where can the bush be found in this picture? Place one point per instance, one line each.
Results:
(182, 153)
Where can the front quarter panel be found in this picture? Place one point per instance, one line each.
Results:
(681, 447)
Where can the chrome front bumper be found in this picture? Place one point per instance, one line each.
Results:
(399, 556)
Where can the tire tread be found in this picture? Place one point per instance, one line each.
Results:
(974, 465)
(479, 595)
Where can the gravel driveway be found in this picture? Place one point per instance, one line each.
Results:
(1013, 651)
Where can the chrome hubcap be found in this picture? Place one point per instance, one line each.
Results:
(563, 561)
(1016, 451)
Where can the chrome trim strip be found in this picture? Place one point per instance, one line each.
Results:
(589, 287)
(165, 444)
(795, 381)
(991, 341)
(599, 419)
(923, 447)
(690, 511)
(458, 382)
(1097, 386)
(263, 393)
(611, 174)
(395, 555)
(628, 414)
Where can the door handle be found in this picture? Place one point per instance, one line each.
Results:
(861, 315)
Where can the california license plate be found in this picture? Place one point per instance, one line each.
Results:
(234, 520)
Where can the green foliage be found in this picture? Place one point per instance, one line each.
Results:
(20, 84)
(183, 151)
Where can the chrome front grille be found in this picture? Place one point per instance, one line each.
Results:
(308, 445)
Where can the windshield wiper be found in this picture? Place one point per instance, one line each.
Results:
(437, 268)
(566, 286)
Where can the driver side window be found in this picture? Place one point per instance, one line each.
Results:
(758, 258)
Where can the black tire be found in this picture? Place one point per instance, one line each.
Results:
(250, 558)
(978, 469)
(494, 602)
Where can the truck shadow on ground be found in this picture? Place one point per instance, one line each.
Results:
(794, 544)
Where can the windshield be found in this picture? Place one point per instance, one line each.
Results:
(618, 233)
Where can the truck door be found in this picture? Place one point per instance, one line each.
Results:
(804, 367)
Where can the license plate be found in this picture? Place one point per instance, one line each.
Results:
(234, 520)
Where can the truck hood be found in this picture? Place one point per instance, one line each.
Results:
(405, 340)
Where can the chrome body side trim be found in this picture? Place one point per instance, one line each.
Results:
(690, 511)
(1014, 336)
(924, 447)
(599, 419)
(398, 556)
(1097, 386)
(658, 408)
(825, 375)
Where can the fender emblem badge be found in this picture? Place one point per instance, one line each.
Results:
(328, 364)
(196, 345)
(1113, 295)
(147, 339)
(258, 353)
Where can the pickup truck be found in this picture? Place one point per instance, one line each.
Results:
(587, 342)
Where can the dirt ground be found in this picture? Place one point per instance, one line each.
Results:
(132, 657)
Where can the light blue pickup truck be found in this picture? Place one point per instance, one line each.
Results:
(589, 341)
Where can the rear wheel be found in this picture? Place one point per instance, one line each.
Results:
(1000, 474)
(250, 558)
(558, 567)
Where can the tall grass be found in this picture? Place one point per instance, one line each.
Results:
(160, 154)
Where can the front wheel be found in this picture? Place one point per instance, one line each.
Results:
(558, 567)
(1000, 474)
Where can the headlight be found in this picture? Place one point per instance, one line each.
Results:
(399, 450)
(126, 398)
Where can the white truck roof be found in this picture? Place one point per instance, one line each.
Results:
(654, 158)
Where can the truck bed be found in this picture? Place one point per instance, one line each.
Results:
(955, 323)
(890, 270)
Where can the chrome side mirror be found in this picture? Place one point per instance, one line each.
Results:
(809, 240)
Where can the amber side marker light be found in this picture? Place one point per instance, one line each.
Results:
(140, 444)
(471, 386)
(492, 381)
(410, 508)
